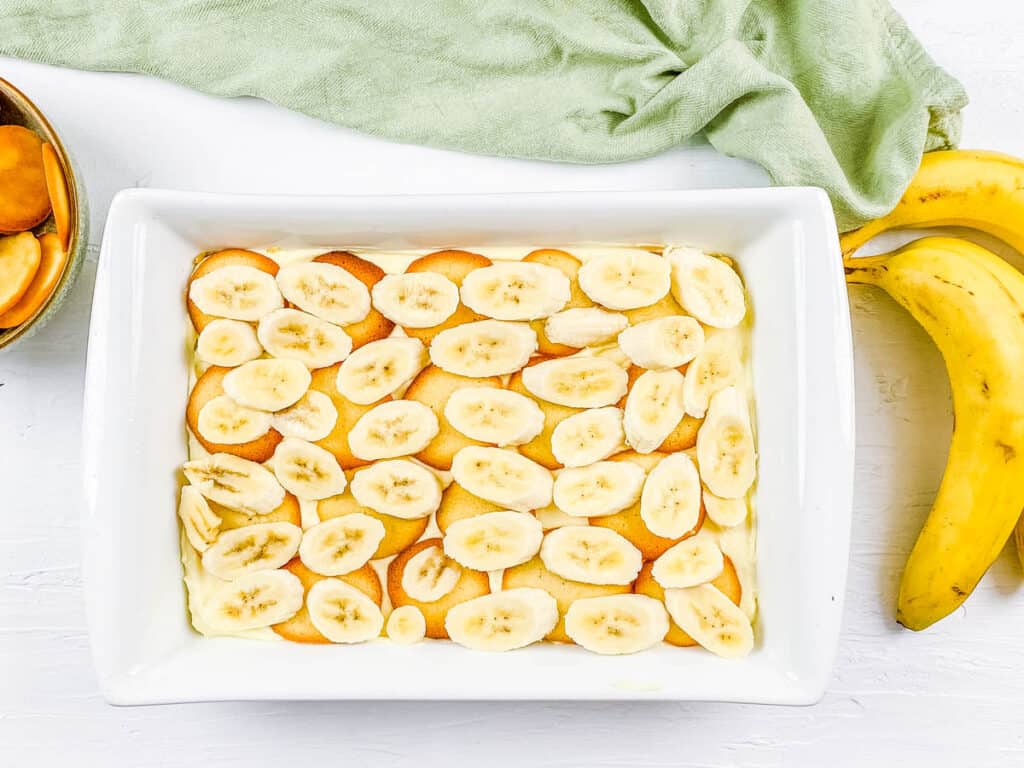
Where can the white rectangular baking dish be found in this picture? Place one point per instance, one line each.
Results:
(144, 649)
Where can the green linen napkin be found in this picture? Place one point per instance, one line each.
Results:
(833, 93)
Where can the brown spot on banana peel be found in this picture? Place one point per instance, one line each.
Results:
(1009, 452)
(957, 193)
(953, 284)
(925, 310)
(868, 273)
(917, 626)
(927, 197)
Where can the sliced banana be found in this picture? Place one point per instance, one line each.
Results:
(236, 292)
(268, 384)
(577, 382)
(612, 352)
(492, 415)
(625, 279)
(584, 326)
(325, 290)
(296, 335)
(725, 513)
(379, 368)
(503, 621)
(589, 436)
(259, 547)
(398, 487)
(235, 483)
(654, 408)
(406, 625)
(257, 599)
(667, 342)
(483, 348)
(725, 446)
(311, 418)
(307, 470)
(670, 502)
(493, 540)
(416, 299)
(503, 477)
(551, 517)
(201, 524)
(342, 544)
(342, 613)
(706, 287)
(228, 343)
(222, 420)
(712, 619)
(616, 624)
(590, 554)
(716, 367)
(696, 560)
(515, 290)
(394, 428)
(430, 575)
(598, 489)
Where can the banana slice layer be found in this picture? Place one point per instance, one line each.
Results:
(515, 290)
(590, 554)
(725, 446)
(342, 544)
(235, 482)
(616, 624)
(497, 416)
(706, 287)
(377, 369)
(484, 348)
(626, 279)
(398, 487)
(259, 547)
(494, 540)
(599, 489)
(342, 613)
(712, 619)
(587, 437)
(577, 382)
(503, 621)
(255, 600)
(396, 428)
(416, 299)
(326, 290)
(236, 292)
(503, 477)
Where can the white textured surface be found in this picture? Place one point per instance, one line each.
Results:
(951, 696)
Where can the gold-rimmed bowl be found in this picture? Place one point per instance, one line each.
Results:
(17, 109)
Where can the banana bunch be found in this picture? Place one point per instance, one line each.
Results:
(971, 303)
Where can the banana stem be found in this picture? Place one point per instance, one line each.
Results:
(851, 241)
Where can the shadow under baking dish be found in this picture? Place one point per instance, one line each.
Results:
(784, 241)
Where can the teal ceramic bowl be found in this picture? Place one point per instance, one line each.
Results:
(17, 109)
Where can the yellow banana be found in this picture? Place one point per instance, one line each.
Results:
(967, 188)
(959, 292)
(962, 188)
